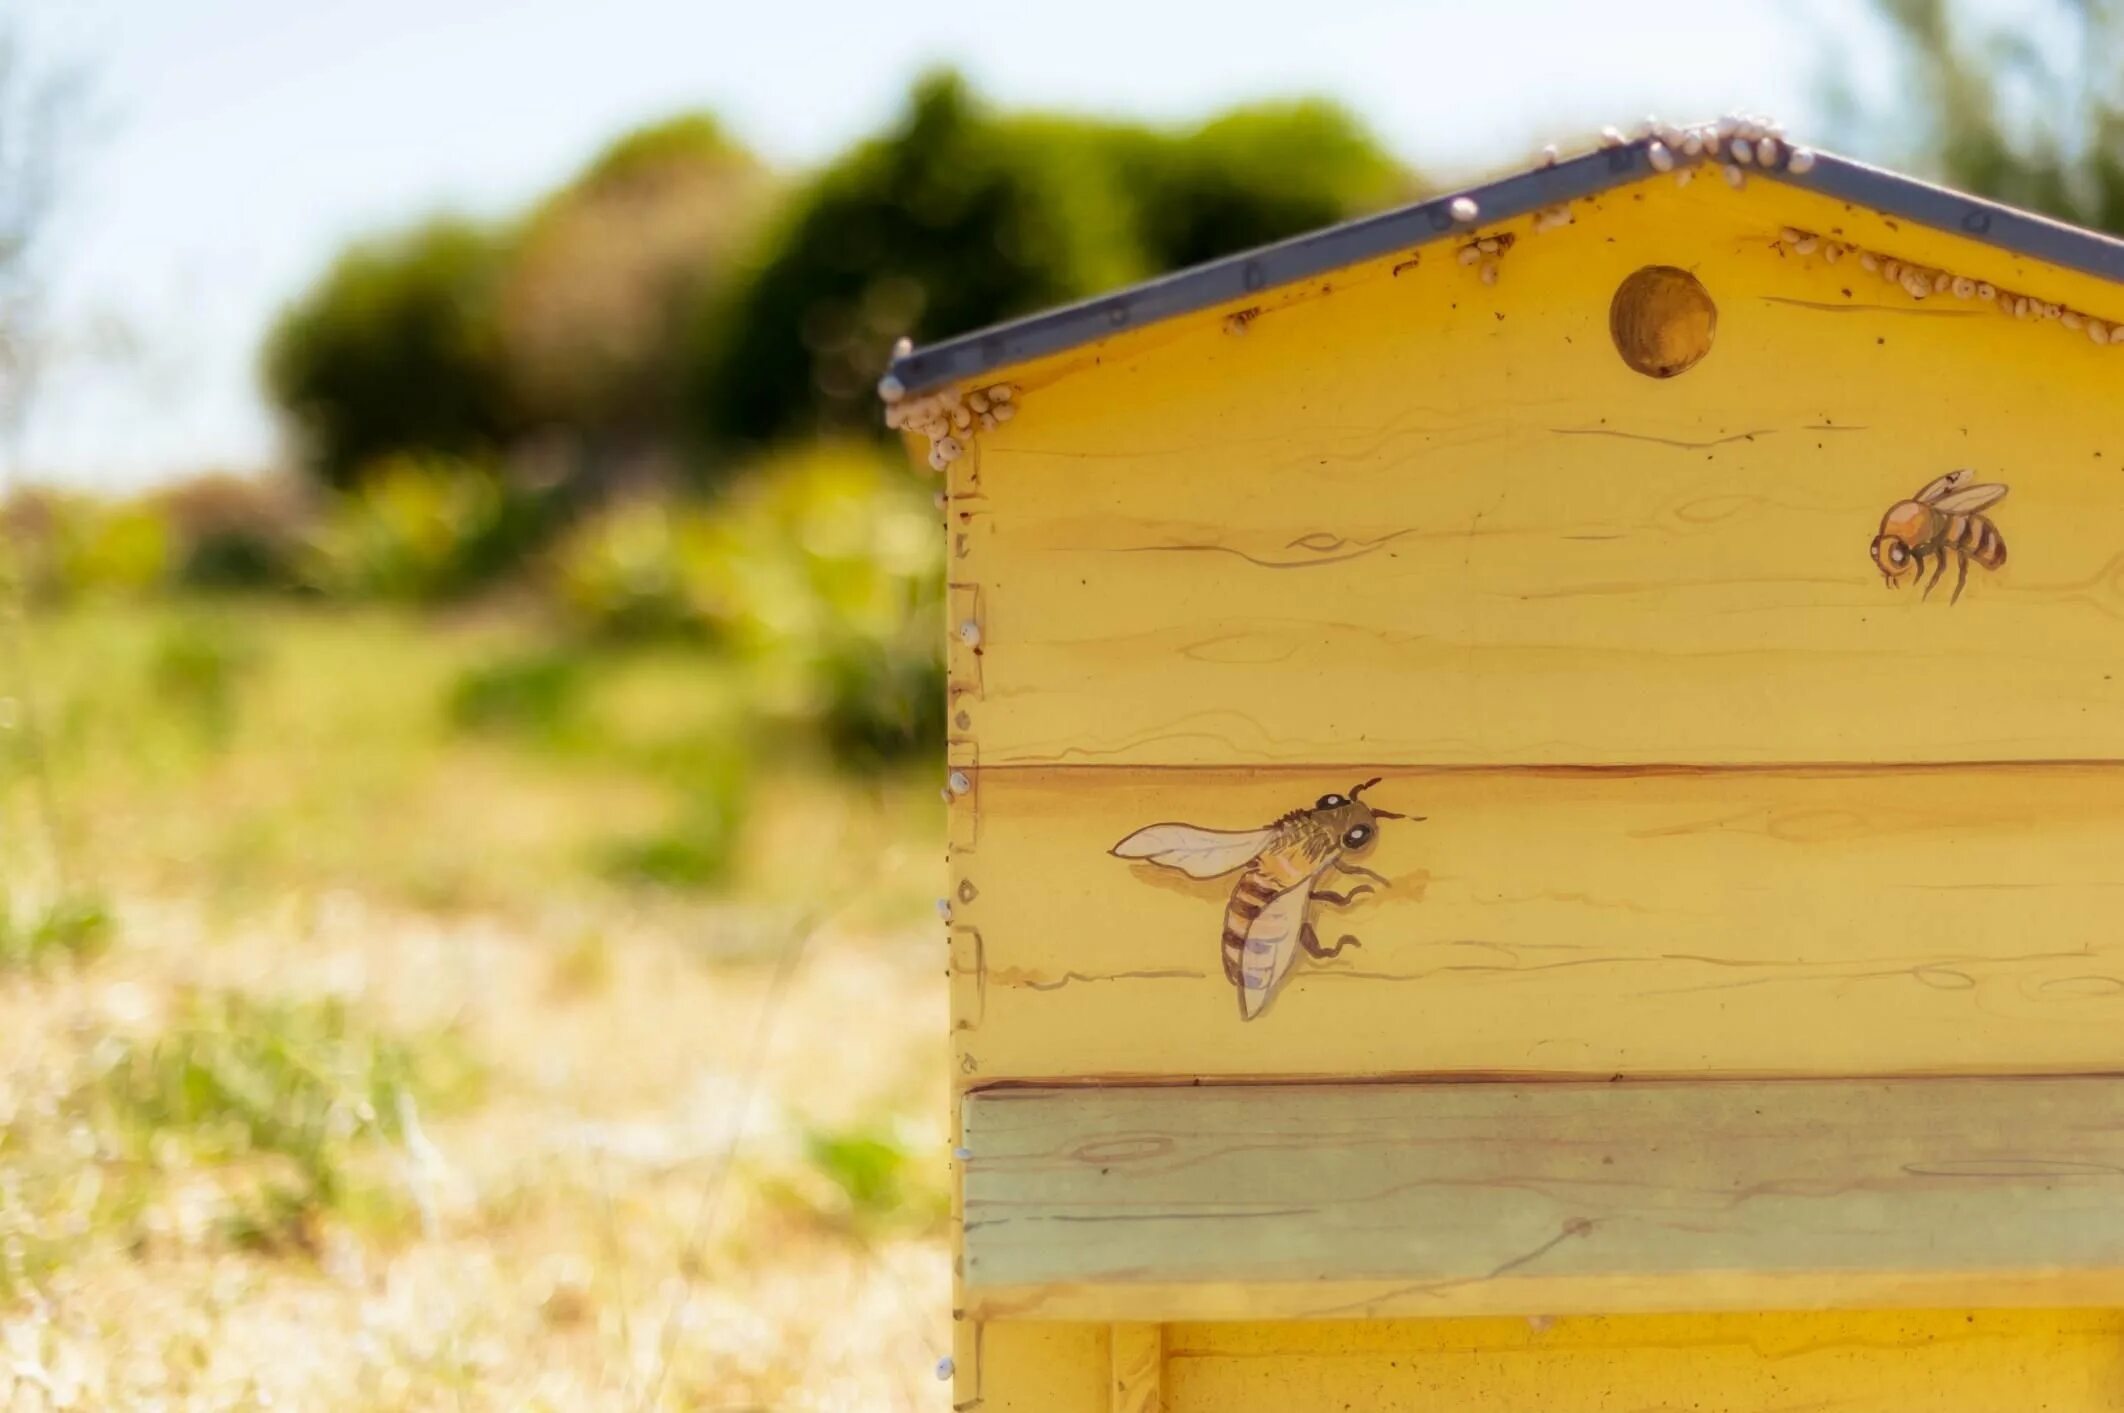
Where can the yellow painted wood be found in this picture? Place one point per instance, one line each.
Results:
(1506, 549)
(1139, 1368)
(1555, 922)
(1036, 1367)
(1409, 517)
(1920, 1362)
(1912, 1361)
(1374, 1200)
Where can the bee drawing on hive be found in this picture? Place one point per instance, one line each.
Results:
(1944, 518)
(1267, 921)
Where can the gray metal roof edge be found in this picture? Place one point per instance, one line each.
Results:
(1234, 277)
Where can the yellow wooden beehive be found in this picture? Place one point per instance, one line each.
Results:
(1738, 1026)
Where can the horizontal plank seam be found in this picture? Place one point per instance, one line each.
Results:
(1080, 1083)
(1563, 769)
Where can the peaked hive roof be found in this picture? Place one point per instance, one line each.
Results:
(1336, 247)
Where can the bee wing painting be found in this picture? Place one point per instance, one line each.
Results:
(1198, 853)
(1934, 489)
(1968, 500)
(1271, 945)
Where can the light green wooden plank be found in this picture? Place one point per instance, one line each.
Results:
(1290, 1201)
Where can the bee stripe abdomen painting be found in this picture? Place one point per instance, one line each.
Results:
(1652, 541)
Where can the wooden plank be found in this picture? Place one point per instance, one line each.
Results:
(1371, 1201)
(1037, 1367)
(1558, 922)
(1139, 1368)
(1914, 1361)
(1414, 517)
(1909, 1361)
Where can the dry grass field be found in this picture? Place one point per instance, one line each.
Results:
(409, 1016)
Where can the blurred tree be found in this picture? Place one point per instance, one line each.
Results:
(463, 340)
(662, 292)
(2033, 116)
(959, 217)
(399, 346)
(1259, 174)
(599, 293)
(946, 222)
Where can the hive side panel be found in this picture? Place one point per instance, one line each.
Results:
(1033, 1367)
(1416, 522)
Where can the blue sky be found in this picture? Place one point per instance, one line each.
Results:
(242, 142)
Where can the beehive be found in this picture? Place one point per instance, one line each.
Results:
(1726, 561)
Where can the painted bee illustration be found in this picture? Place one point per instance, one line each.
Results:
(1944, 518)
(1266, 922)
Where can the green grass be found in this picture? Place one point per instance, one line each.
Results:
(69, 930)
(249, 749)
(195, 671)
(285, 1104)
(269, 1119)
(556, 877)
(698, 851)
(532, 696)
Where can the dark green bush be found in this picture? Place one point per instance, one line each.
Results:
(398, 347)
(949, 221)
(1259, 174)
(959, 217)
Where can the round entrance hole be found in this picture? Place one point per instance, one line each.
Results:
(1662, 320)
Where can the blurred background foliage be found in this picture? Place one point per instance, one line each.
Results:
(398, 348)
(678, 307)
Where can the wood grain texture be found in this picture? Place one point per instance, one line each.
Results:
(1411, 517)
(1915, 1361)
(1556, 922)
(1041, 1366)
(1294, 1201)
(1139, 1368)
(1911, 1362)
(1408, 517)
